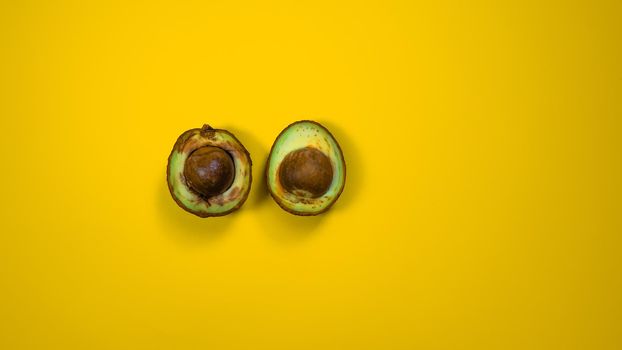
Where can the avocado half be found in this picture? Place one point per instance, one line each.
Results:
(209, 172)
(306, 171)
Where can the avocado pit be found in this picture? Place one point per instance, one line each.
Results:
(209, 171)
(306, 172)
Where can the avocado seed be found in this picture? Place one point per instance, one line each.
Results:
(306, 172)
(209, 171)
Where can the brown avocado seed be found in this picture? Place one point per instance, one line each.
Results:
(209, 171)
(306, 172)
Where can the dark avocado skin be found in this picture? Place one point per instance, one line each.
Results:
(277, 199)
(181, 140)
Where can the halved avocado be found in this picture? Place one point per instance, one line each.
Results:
(306, 171)
(209, 172)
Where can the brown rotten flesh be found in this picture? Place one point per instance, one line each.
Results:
(209, 172)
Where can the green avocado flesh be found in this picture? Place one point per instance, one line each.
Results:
(190, 200)
(295, 139)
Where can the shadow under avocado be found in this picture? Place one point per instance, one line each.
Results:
(287, 228)
(282, 226)
(185, 226)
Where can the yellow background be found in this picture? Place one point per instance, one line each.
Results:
(482, 208)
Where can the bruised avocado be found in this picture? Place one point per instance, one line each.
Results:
(209, 172)
(306, 171)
